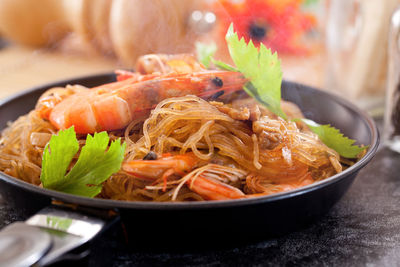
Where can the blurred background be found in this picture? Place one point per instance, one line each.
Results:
(337, 45)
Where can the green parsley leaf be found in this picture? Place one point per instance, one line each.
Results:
(223, 65)
(249, 87)
(63, 147)
(334, 139)
(263, 70)
(93, 167)
(205, 52)
(261, 67)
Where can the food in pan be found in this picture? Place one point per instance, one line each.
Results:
(176, 132)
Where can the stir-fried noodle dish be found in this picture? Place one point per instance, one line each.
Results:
(188, 134)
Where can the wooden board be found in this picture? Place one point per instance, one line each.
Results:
(22, 68)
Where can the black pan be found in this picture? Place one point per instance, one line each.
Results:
(243, 219)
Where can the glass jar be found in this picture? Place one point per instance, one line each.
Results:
(357, 54)
(391, 135)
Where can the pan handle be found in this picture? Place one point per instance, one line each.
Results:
(48, 235)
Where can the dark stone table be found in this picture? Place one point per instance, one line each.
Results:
(362, 229)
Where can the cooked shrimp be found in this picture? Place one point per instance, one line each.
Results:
(113, 106)
(52, 97)
(156, 64)
(211, 182)
(208, 181)
(258, 185)
(162, 168)
(163, 63)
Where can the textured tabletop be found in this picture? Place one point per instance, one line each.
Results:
(362, 229)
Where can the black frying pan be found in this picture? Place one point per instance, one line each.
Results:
(212, 222)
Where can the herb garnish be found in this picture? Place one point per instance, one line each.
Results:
(263, 69)
(94, 165)
(205, 53)
(334, 139)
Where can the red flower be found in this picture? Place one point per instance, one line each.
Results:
(279, 24)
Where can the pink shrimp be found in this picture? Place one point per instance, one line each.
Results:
(259, 185)
(162, 64)
(199, 181)
(113, 106)
(209, 180)
(47, 102)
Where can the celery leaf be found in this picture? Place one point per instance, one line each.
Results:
(334, 139)
(261, 67)
(205, 52)
(96, 162)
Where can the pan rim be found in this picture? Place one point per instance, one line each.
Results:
(119, 204)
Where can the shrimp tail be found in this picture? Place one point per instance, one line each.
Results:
(211, 189)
